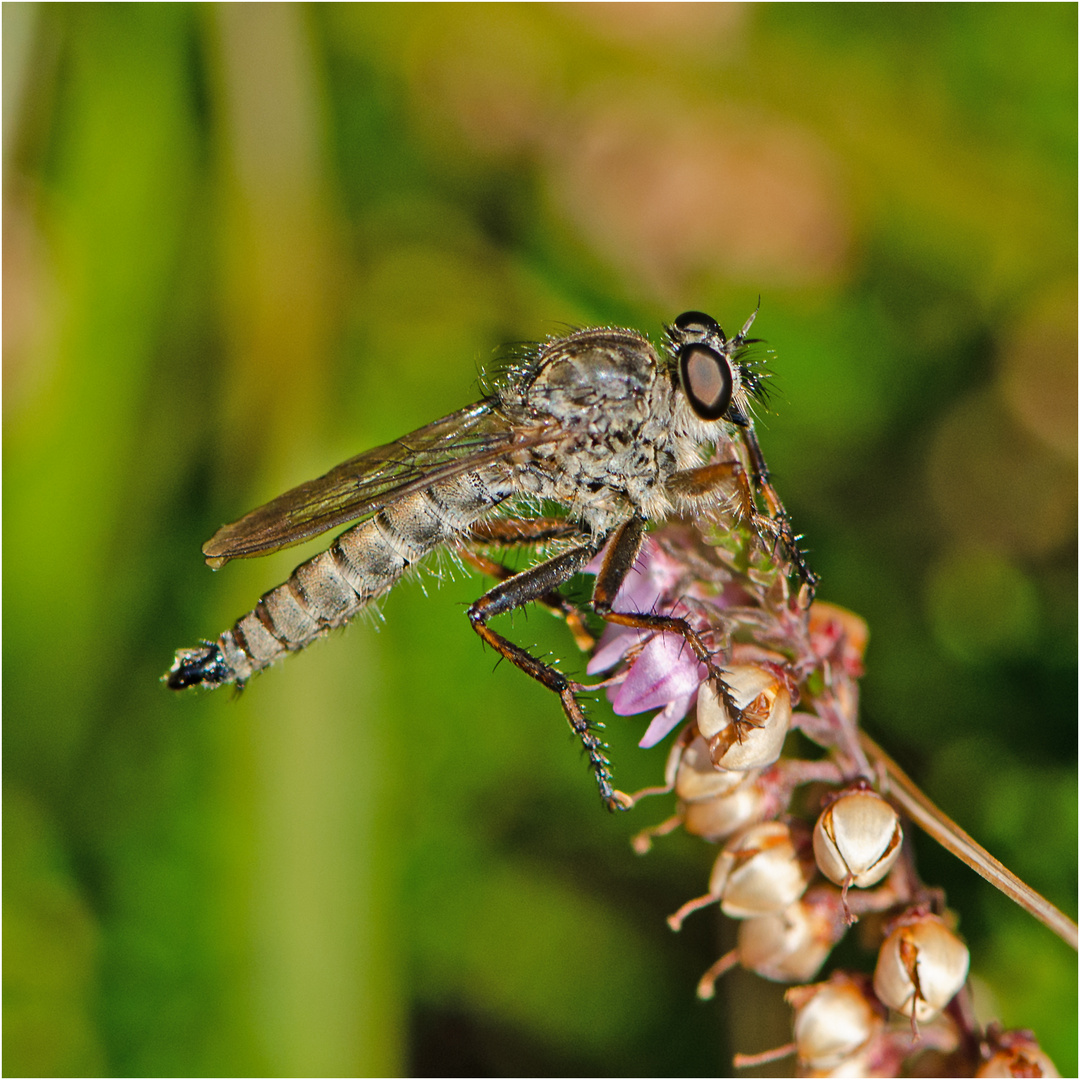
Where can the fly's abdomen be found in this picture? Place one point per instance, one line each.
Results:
(327, 591)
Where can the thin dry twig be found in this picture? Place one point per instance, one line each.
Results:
(953, 839)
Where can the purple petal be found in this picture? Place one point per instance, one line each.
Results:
(666, 721)
(613, 645)
(665, 670)
(639, 592)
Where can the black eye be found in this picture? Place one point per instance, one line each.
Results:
(706, 380)
(696, 324)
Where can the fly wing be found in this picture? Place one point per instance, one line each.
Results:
(363, 485)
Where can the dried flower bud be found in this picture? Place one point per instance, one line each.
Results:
(839, 636)
(713, 803)
(791, 945)
(834, 1020)
(763, 870)
(1015, 1053)
(720, 817)
(858, 1066)
(757, 738)
(857, 838)
(698, 778)
(1018, 1063)
(760, 871)
(921, 966)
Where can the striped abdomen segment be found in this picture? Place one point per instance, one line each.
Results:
(327, 591)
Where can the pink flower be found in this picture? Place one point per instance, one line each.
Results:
(647, 587)
(667, 673)
(665, 721)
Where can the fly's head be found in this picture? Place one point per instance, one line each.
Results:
(717, 385)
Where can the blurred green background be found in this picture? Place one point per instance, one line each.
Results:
(244, 243)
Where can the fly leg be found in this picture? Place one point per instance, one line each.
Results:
(555, 602)
(518, 532)
(774, 525)
(618, 560)
(778, 516)
(514, 531)
(529, 585)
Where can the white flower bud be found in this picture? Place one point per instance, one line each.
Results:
(756, 740)
(921, 966)
(698, 778)
(789, 946)
(834, 1020)
(857, 839)
(858, 1066)
(761, 871)
(720, 817)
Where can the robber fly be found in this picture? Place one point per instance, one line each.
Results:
(600, 422)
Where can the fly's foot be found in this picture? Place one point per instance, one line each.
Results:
(779, 541)
(745, 718)
(737, 717)
(594, 747)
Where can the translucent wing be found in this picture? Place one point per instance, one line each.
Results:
(361, 486)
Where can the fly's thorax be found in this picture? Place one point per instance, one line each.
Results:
(610, 396)
(604, 473)
(595, 378)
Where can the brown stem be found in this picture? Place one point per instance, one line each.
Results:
(953, 839)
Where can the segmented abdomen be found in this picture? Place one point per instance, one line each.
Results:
(327, 591)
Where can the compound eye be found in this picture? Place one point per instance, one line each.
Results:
(696, 324)
(706, 379)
